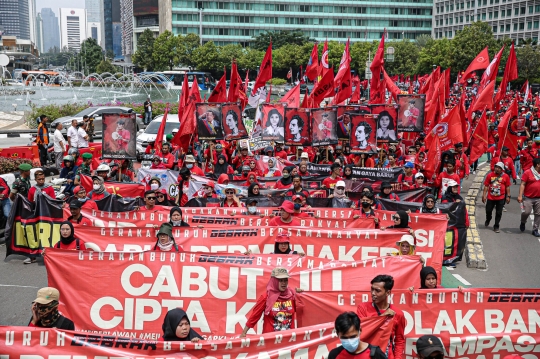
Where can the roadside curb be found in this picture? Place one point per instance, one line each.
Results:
(11, 134)
(474, 250)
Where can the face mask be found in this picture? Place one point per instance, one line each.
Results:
(189, 166)
(165, 247)
(297, 206)
(365, 205)
(176, 223)
(286, 175)
(252, 210)
(96, 187)
(154, 186)
(350, 345)
(82, 199)
(340, 191)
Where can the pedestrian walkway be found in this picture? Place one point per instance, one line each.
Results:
(13, 120)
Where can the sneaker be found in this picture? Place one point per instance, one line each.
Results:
(29, 261)
(473, 172)
(522, 227)
(486, 224)
(504, 209)
(496, 230)
(535, 233)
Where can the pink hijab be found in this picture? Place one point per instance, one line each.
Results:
(274, 294)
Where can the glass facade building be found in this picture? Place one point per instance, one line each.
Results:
(51, 29)
(15, 18)
(517, 20)
(226, 22)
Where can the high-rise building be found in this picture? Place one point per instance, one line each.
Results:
(514, 19)
(126, 19)
(50, 29)
(117, 39)
(72, 28)
(15, 18)
(111, 15)
(145, 16)
(226, 22)
(39, 33)
(94, 10)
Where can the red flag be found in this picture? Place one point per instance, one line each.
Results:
(375, 96)
(289, 74)
(506, 136)
(433, 156)
(234, 85)
(449, 129)
(161, 131)
(491, 71)
(510, 74)
(312, 67)
(391, 86)
(324, 88)
(480, 62)
(219, 94)
(269, 95)
(188, 122)
(355, 98)
(265, 71)
(324, 66)
(194, 94)
(343, 78)
(183, 97)
(306, 103)
(242, 92)
(479, 139)
(485, 98)
(292, 98)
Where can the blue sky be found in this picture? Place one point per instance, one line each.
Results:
(56, 4)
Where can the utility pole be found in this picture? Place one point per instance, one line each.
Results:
(200, 24)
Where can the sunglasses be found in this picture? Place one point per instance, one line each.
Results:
(229, 192)
(160, 196)
(151, 198)
(396, 218)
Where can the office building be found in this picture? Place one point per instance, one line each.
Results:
(72, 28)
(117, 39)
(126, 19)
(227, 22)
(93, 30)
(51, 30)
(94, 10)
(516, 19)
(15, 18)
(39, 33)
(145, 16)
(111, 15)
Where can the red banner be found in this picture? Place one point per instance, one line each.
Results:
(136, 290)
(131, 190)
(307, 343)
(476, 324)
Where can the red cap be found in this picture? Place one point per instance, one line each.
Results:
(288, 207)
(211, 184)
(297, 196)
(77, 189)
(283, 238)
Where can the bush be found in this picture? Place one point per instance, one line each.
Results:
(10, 165)
(277, 81)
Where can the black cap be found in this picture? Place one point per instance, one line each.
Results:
(459, 144)
(75, 204)
(428, 344)
(504, 148)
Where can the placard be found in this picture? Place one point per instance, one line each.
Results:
(272, 122)
(386, 122)
(233, 123)
(119, 136)
(411, 113)
(209, 124)
(297, 127)
(363, 133)
(324, 126)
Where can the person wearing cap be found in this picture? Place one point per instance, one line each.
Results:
(446, 176)
(154, 184)
(406, 247)
(407, 178)
(286, 217)
(40, 187)
(496, 193)
(386, 192)
(98, 189)
(231, 199)
(527, 155)
(162, 198)
(165, 239)
(419, 180)
(79, 192)
(462, 162)
(529, 196)
(76, 218)
(282, 245)
(297, 188)
(209, 189)
(22, 184)
(347, 327)
(452, 193)
(190, 163)
(299, 203)
(304, 158)
(508, 162)
(67, 238)
(330, 182)
(45, 312)
(85, 168)
(429, 347)
(243, 175)
(278, 304)
(59, 144)
(381, 289)
(340, 195)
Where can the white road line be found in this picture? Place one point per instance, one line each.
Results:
(461, 279)
(18, 286)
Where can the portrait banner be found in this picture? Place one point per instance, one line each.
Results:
(363, 133)
(131, 293)
(411, 113)
(297, 127)
(324, 126)
(344, 119)
(233, 123)
(209, 126)
(119, 136)
(386, 122)
(273, 122)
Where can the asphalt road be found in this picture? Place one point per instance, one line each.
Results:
(14, 141)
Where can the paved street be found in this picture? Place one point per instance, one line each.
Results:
(14, 141)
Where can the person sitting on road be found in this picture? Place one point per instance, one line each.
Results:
(45, 312)
(177, 327)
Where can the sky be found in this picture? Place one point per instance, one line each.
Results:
(56, 4)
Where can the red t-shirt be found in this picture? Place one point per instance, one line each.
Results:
(341, 353)
(48, 190)
(532, 186)
(168, 160)
(232, 205)
(498, 185)
(281, 317)
(277, 222)
(329, 182)
(82, 221)
(72, 246)
(90, 204)
(443, 179)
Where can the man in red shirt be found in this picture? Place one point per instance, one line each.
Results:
(76, 218)
(463, 169)
(40, 186)
(407, 178)
(330, 182)
(445, 177)
(150, 202)
(381, 288)
(504, 157)
(190, 164)
(297, 188)
(285, 219)
(166, 156)
(279, 152)
(529, 196)
(238, 161)
(497, 193)
(527, 155)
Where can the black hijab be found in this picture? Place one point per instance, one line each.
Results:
(425, 209)
(287, 181)
(172, 319)
(347, 176)
(404, 223)
(221, 168)
(182, 223)
(449, 196)
(250, 190)
(383, 186)
(423, 275)
(71, 238)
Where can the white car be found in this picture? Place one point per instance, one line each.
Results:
(150, 132)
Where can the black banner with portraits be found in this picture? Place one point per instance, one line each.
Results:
(411, 113)
(119, 136)
(273, 122)
(233, 123)
(344, 119)
(209, 126)
(297, 127)
(386, 121)
(324, 126)
(363, 133)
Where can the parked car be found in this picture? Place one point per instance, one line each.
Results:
(150, 132)
(97, 112)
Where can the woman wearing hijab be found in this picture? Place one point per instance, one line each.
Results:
(428, 279)
(278, 304)
(251, 178)
(67, 238)
(283, 245)
(176, 218)
(347, 172)
(223, 179)
(386, 192)
(272, 170)
(254, 190)
(165, 240)
(428, 205)
(98, 192)
(285, 182)
(177, 327)
(162, 198)
(401, 221)
(222, 167)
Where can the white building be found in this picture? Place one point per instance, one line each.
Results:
(33, 15)
(73, 28)
(93, 30)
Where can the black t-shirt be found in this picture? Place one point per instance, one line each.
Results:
(61, 323)
(371, 352)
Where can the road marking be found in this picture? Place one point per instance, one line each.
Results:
(18, 286)
(461, 279)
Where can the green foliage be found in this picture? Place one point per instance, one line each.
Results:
(405, 58)
(252, 58)
(469, 42)
(10, 165)
(422, 40)
(143, 57)
(528, 58)
(186, 47)
(436, 52)
(106, 66)
(165, 53)
(277, 81)
(360, 54)
(335, 51)
(207, 57)
(90, 55)
(279, 39)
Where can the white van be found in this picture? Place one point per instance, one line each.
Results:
(150, 132)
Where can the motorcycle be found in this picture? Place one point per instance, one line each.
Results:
(59, 185)
(146, 160)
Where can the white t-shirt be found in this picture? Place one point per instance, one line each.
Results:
(74, 136)
(58, 137)
(82, 142)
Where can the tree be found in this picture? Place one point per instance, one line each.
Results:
(206, 57)
(436, 52)
(335, 51)
(279, 39)
(143, 57)
(422, 40)
(165, 53)
(90, 55)
(360, 54)
(106, 66)
(405, 58)
(469, 42)
(251, 60)
(291, 56)
(186, 46)
(227, 53)
(528, 59)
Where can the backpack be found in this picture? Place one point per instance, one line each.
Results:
(77, 246)
(375, 352)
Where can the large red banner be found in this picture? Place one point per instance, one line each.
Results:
(475, 324)
(130, 293)
(314, 342)
(131, 190)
